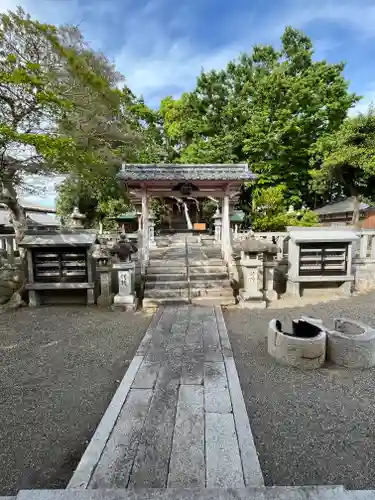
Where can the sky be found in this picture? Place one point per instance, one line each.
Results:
(160, 46)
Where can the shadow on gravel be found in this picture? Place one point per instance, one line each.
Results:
(59, 368)
(310, 427)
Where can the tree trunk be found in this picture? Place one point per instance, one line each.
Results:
(100, 227)
(9, 198)
(355, 218)
(187, 216)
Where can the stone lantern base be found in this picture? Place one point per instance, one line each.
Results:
(246, 301)
(252, 296)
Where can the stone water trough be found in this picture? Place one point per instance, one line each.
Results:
(350, 344)
(304, 347)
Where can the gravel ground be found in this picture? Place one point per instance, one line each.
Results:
(315, 427)
(59, 368)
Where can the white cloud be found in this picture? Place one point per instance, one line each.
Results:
(41, 189)
(160, 55)
(175, 63)
(155, 60)
(7, 5)
(173, 66)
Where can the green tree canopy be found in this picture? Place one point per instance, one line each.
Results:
(98, 201)
(345, 161)
(61, 110)
(267, 108)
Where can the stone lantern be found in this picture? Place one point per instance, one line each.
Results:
(217, 225)
(77, 219)
(151, 229)
(253, 253)
(104, 268)
(125, 268)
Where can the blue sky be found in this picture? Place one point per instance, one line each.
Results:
(161, 45)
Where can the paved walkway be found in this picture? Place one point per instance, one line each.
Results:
(178, 418)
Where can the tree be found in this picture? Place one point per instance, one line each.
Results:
(60, 109)
(267, 108)
(270, 211)
(98, 201)
(345, 160)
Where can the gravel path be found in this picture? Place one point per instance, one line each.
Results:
(315, 427)
(59, 368)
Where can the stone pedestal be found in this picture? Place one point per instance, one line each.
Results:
(105, 298)
(293, 288)
(217, 225)
(125, 298)
(269, 278)
(252, 295)
(104, 269)
(34, 298)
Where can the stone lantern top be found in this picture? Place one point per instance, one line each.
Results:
(253, 245)
(77, 218)
(217, 214)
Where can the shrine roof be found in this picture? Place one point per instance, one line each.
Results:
(84, 238)
(185, 172)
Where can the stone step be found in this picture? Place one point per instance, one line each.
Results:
(205, 277)
(164, 293)
(167, 263)
(205, 262)
(223, 300)
(161, 285)
(210, 283)
(249, 493)
(208, 269)
(153, 303)
(211, 292)
(166, 270)
(166, 278)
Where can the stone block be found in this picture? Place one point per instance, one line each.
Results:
(223, 459)
(34, 298)
(245, 303)
(351, 344)
(187, 464)
(305, 353)
(105, 300)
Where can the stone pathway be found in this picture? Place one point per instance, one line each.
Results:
(178, 418)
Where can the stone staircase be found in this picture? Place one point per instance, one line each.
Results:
(249, 493)
(183, 271)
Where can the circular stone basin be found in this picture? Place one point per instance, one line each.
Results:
(304, 348)
(351, 344)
